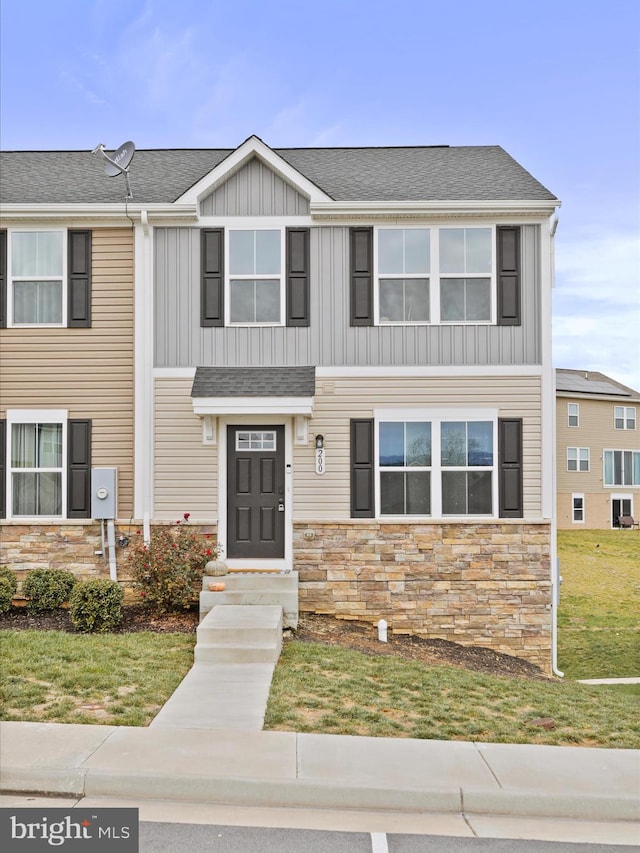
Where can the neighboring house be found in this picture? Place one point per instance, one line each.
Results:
(342, 367)
(598, 450)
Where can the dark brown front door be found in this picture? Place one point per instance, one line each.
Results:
(255, 492)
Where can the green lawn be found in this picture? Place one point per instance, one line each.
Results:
(599, 613)
(333, 690)
(123, 679)
(113, 679)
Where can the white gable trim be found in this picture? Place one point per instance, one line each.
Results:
(252, 147)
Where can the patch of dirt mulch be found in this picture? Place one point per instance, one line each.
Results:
(135, 618)
(311, 628)
(364, 638)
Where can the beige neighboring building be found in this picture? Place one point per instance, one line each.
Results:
(598, 450)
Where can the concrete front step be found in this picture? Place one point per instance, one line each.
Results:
(240, 634)
(256, 589)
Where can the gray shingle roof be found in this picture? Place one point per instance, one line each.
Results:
(442, 173)
(254, 382)
(591, 382)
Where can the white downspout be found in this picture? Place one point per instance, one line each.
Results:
(143, 371)
(550, 376)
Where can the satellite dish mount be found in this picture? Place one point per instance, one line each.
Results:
(118, 163)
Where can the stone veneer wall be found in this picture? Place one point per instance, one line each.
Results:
(482, 584)
(67, 545)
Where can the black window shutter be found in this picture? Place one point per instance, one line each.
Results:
(361, 268)
(510, 467)
(3, 279)
(362, 492)
(212, 277)
(509, 285)
(78, 468)
(297, 254)
(3, 479)
(79, 280)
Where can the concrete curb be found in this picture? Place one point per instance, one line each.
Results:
(320, 771)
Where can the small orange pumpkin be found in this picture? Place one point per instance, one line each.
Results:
(217, 587)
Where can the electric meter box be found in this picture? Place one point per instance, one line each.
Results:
(103, 492)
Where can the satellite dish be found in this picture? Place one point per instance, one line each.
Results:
(118, 164)
(119, 161)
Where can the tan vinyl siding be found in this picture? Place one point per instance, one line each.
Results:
(89, 372)
(595, 431)
(338, 400)
(185, 470)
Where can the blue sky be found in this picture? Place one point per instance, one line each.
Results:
(556, 83)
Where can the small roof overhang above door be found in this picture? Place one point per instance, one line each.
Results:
(253, 391)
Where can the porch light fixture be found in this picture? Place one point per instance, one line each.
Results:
(319, 442)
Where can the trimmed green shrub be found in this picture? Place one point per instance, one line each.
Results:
(8, 588)
(168, 571)
(95, 606)
(47, 589)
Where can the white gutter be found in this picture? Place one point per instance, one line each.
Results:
(112, 213)
(499, 208)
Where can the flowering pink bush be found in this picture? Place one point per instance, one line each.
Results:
(167, 572)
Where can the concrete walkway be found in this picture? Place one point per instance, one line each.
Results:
(228, 685)
(320, 771)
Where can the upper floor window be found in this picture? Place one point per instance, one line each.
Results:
(403, 275)
(255, 284)
(621, 467)
(577, 458)
(573, 414)
(440, 275)
(466, 273)
(37, 268)
(624, 417)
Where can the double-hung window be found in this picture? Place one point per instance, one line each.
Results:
(256, 260)
(403, 275)
(577, 509)
(467, 465)
(621, 467)
(624, 417)
(405, 467)
(434, 275)
(466, 274)
(37, 266)
(577, 458)
(573, 414)
(37, 463)
(436, 466)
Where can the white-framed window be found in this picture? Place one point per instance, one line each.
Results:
(573, 414)
(37, 275)
(624, 417)
(37, 461)
(577, 458)
(436, 463)
(621, 467)
(435, 275)
(405, 467)
(403, 266)
(466, 267)
(577, 508)
(256, 295)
